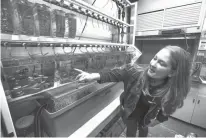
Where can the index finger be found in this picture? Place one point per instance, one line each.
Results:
(79, 70)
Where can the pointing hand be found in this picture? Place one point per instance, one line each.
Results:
(86, 77)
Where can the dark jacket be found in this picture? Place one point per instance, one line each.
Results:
(129, 75)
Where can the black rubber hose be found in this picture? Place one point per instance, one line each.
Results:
(37, 121)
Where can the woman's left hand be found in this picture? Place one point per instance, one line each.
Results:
(153, 123)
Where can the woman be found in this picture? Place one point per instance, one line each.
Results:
(152, 94)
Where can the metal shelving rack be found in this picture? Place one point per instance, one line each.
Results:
(87, 10)
(68, 42)
(56, 40)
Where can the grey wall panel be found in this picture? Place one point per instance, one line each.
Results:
(150, 47)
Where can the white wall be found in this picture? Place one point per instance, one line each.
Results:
(151, 5)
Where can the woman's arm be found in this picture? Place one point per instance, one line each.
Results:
(114, 75)
(85, 76)
(120, 74)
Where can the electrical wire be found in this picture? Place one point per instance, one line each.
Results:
(112, 8)
(106, 4)
(93, 23)
(80, 19)
(84, 25)
(98, 23)
(86, 21)
(119, 10)
(103, 26)
(112, 5)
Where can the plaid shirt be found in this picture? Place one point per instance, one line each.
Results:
(129, 75)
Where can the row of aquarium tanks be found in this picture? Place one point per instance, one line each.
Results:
(28, 75)
(22, 17)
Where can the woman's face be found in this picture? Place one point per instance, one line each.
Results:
(160, 66)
